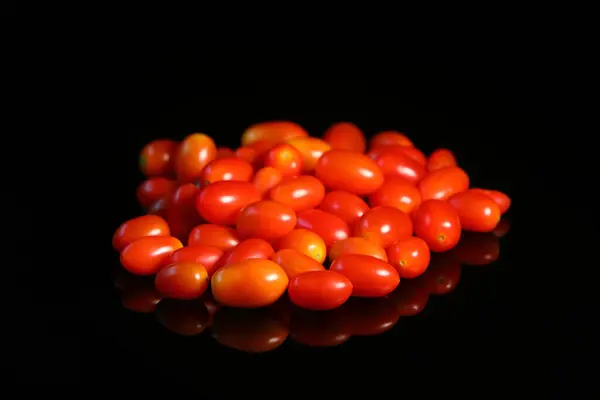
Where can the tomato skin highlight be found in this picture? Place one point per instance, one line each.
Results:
(370, 276)
(266, 220)
(441, 158)
(443, 183)
(139, 227)
(295, 263)
(251, 283)
(273, 132)
(193, 154)
(286, 158)
(182, 281)
(147, 255)
(226, 169)
(329, 227)
(389, 138)
(384, 226)
(156, 158)
(398, 193)
(477, 212)
(266, 179)
(220, 203)
(221, 237)
(154, 189)
(346, 170)
(438, 224)
(301, 193)
(320, 290)
(357, 245)
(501, 199)
(310, 149)
(409, 256)
(208, 256)
(394, 163)
(349, 207)
(253, 248)
(345, 136)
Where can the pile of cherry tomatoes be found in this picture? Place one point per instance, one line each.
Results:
(321, 219)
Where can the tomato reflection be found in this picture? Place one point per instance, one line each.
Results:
(370, 316)
(321, 329)
(443, 273)
(211, 306)
(185, 318)
(282, 309)
(478, 248)
(502, 228)
(137, 293)
(410, 297)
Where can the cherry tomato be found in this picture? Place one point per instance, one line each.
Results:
(295, 263)
(156, 158)
(159, 207)
(501, 199)
(409, 256)
(266, 179)
(357, 245)
(221, 202)
(221, 237)
(394, 163)
(349, 207)
(208, 256)
(302, 193)
(193, 154)
(249, 284)
(443, 273)
(266, 220)
(310, 149)
(478, 248)
(389, 138)
(183, 281)
(154, 189)
(345, 170)
(226, 169)
(398, 193)
(443, 183)
(255, 153)
(139, 227)
(329, 227)
(147, 255)
(184, 318)
(321, 329)
(225, 152)
(441, 158)
(502, 228)
(410, 298)
(306, 242)
(411, 152)
(249, 249)
(251, 331)
(140, 295)
(286, 158)
(181, 211)
(477, 212)
(370, 276)
(272, 131)
(384, 225)
(320, 290)
(370, 316)
(438, 224)
(345, 136)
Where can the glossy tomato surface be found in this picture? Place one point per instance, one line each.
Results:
(389, 138)
(221, 202)
(266, 179)
(272, 131)
(397, 192)
(357, 245)
(146, 256)
(181, 211)
(441, 158)
(438, 224)
(370, 276)
(208, 256)
(226, 169)
(251, 283)
(154, 189)
(411, 152)
(393, 163)
(266, 220)
(295, 263)
(349, 207)
(301, 193)
(329, 227)
(285, 158)
(443, 183)
(500, 198)
(311, 149)
(193, 154)
(221, 237)
(255, 153)
(345, 136)
(139, 227)
(384, 225)
(410, 257)
(156, 158)
(477, 212)
(306, 242)
(182, 280)
(320, 290)
(248, 249)
(346, 170)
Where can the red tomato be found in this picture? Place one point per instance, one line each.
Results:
(285, 158)
(328, 226)
(154, 189)
(156, 158)
(438, 224)
(370, 276)
(225, 152)
(502, 228)
(208, 256)
(384, 225)
(346, 170)
(398, 193)
(389, 138)
(255, 153)
(266, 220)
(501, 199)
(357, 245)
(221, 237)
(411, 152)
(226, 169)
(443, 183)
(220, 203)
(441, 158)
(183, 281)
(249, 249)
(266, 179)
(184, 318)
(345, 136)
(147, 255)
(301, 193)
(310, 149)
(370, 317)
(140, 296)
(394, 163)
(306, 242)
(409, 256)
(181, 211)
(321, 329)
(159, 207)
(251, 283)
(477, 212)
(443, 273)
(410, 298)
(193, 154)
(139, 227)
(320, 290)
(349, 207)
(272, 131)
(295, 263)
(478, 248)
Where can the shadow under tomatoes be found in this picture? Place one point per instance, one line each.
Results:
(186, 318)
(319, 328)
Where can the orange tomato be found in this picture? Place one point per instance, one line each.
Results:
(266, 220)
(345, 170)
(193, 154)
(409, 256)
(443, 183)
(139, 227)
(182, 280)
(272, 131)
(154, 189)
(285, 158)
(438, 224)
(208, 256)
(251, 283)
(501, 199)
(384, 225)
(441, 158)
(156, 158)
(249, 249)
(306, 242)
(226, 169)
(389, 138)
(255, 153)
(266, 179)
(398, 193)
(221, 202)
(147, 255)
(221, 237)
(393, 163)
(310, 149)
(345, 136)
(301, 193)
(295, 263)
(329, 227)
(477, 212)
(370, 276)
(349, 207)
(357, 245)
(184, 318)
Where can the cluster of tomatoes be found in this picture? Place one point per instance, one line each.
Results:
(323, 219)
